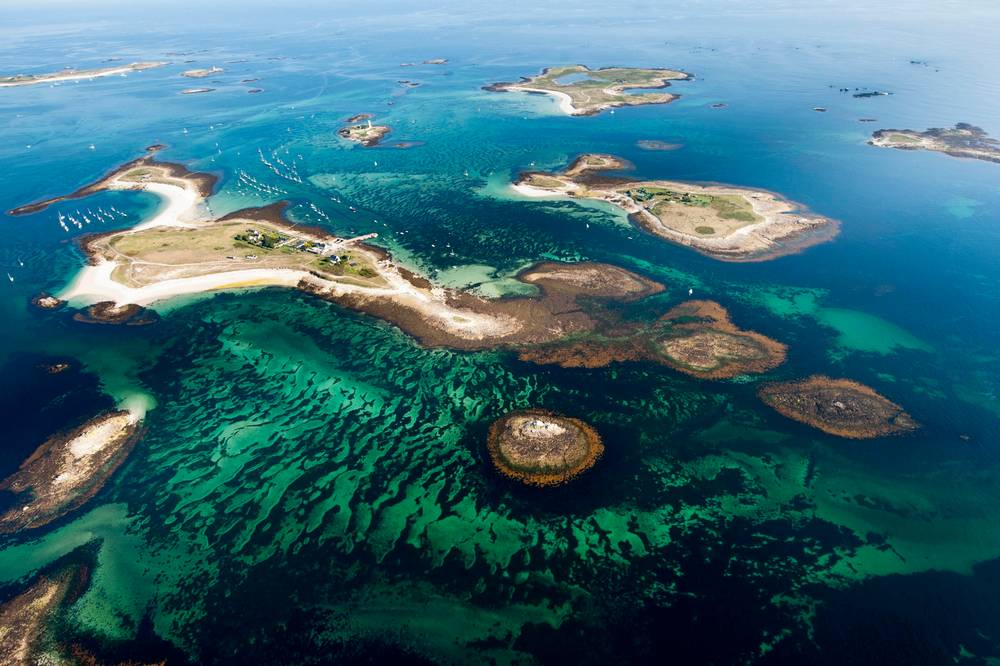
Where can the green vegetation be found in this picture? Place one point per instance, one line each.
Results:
(346, 264)
(546, 182)
(705, 231)
(591, 91)
(265, 239)
(726, 206)
(138, 173)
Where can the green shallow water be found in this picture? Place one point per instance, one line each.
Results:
(300, 448)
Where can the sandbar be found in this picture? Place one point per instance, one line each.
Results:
(75, 74)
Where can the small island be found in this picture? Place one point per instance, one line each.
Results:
(202, 73)
(75, 74)
(701, 341)
(963, 140)
(540, 448)
(109, 312)
(46, 301)
(26, 619)
(68, 469)
(724, 222)
(695, 337)
(582, 91)
(840, 407)
(364, 133)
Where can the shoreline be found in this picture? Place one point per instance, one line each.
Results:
(164, 257)
(782, 227)
(614, 90)
(76, 74)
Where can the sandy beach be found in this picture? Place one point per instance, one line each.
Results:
(181, 201)
(94, 284)
(565, 101)
(80, 75)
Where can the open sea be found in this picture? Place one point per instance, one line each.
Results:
(314, 485)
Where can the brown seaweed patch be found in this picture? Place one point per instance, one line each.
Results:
(696, 338)
(703, 342)
(839, 407)
(541, 448)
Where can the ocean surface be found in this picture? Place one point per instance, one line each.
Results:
(314, 484)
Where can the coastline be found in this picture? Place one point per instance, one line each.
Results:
(615, 90)
(79, 75)
(783, 227)
(125, 270)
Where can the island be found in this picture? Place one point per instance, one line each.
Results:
(582, 91)
(26, 619)
(202, 73)
(840, 407)
(109, 312)
(184, 250)
(656, 144)
(68, 469)
(963, 140)
(46, 301)
(430, 61)
(701, 341)
(75, 74)
(540, 448)
(724, 222)
(364, 133)
(695, 337)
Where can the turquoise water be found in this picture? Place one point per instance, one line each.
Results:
(314, 484)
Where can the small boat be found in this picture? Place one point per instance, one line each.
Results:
(10, 277)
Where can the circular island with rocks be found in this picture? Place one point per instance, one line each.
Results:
(541, 448)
